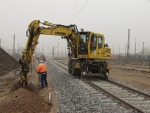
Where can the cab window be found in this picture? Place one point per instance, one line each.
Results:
(99, 42)
(83, 43)
(93, 42)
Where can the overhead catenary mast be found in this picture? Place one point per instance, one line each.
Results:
(128, 44)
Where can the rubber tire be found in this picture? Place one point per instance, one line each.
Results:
(78, 72)
(106, 75)
(74, 72)
(69, 70)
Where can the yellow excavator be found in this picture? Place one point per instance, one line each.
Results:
(88, 53)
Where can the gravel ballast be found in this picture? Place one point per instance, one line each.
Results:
(75, 96)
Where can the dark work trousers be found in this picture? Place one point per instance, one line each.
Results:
(43, 80)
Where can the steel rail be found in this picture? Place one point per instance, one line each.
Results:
(103, 90)
(125, 87)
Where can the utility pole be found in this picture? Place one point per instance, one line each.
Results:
(125, 48)
(119, 50)
(62, 51)
(128, 44)
(18, 48)
(135, 46)
(14, 45)
(143, 48)
(39, 51)
(0, 43)
(58, 50)
(65, 51)
(113, 48)
(53, 52)
(43, 50)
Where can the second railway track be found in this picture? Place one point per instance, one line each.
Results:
(134, 99)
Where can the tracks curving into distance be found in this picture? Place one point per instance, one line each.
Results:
(131, 98)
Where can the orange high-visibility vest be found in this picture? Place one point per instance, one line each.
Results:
(42, 68)
(92, 42)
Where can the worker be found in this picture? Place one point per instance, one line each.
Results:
(42, 70)
(92, 40)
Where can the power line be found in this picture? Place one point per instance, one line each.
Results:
(79, 11)
(70, 11)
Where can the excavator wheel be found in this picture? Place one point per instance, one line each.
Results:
(106, 75)
(31, 87)
(74, 72)
(69, 70)
(78, 72)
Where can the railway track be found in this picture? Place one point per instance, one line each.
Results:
(133, 99)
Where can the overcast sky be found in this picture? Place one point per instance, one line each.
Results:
(112, 18)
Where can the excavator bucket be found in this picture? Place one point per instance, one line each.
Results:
(31, 87)
(14, 87)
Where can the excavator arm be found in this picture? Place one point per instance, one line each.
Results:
(70, 33)
(34, 30)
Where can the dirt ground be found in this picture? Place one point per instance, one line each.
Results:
(6, 81)
(22, 100)
(137, 78)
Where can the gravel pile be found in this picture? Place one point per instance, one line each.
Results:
(16, 56)
(23, 101)
(7, 62)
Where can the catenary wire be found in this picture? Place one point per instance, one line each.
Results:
(79, 11)
(71, 10)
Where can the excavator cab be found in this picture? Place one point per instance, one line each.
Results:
(91, 45)
(92, 55)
